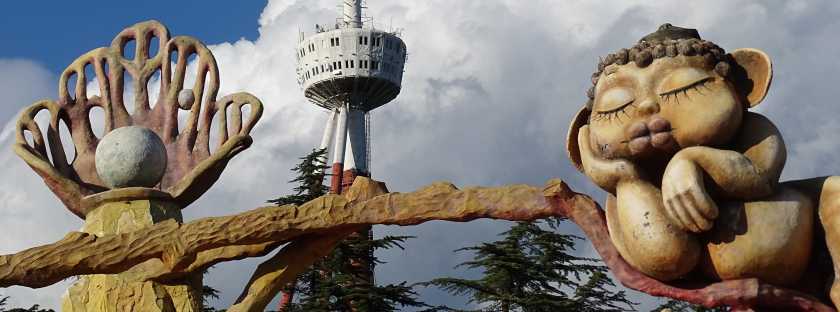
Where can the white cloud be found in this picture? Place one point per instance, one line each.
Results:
(29, 214)
(488, 92)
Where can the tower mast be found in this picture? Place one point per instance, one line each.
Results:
(350, 70)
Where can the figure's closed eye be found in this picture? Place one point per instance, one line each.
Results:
(682, 80)
(612, 104)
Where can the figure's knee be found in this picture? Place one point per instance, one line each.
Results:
(670, 263)
(835, 293)
(830, 189)
(770, 239)
(829, 201)
(664, 254)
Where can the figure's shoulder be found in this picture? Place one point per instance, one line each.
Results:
(759, 133)
(758, 124)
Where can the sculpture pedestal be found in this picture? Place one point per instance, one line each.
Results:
(123, 211)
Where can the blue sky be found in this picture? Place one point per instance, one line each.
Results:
(489, 89)
(55, 32)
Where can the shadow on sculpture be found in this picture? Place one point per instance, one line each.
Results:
(693, 178)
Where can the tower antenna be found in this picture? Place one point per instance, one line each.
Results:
(352, 13)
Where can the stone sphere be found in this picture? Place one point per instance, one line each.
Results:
(186, 98)
(130, 156)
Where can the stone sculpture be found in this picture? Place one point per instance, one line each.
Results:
(696, 212)
(134, 252)
(692, 174)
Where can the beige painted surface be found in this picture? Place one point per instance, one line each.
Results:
(693, 175)
(122, 292)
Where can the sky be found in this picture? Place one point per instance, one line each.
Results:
(489, 90)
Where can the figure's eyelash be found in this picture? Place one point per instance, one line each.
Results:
(684, 90)
(613, 114)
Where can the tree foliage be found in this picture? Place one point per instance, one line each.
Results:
(531, 270)
(338, 284)
(340, 281)
(208, 293)
(309, 180)
(33, 308)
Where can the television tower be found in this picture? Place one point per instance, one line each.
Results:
(350, 68)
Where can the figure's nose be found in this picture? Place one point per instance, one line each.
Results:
(649, 106)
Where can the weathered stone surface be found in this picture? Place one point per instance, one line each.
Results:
(177, 245)
(693, 176)
(192, 166)
(117, 214)
(769, 239)
(110, 293)
(186, 98)
(130, 156)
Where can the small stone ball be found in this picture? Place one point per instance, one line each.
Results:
(129, 157)
(186, 98)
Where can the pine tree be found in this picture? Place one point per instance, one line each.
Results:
(334, 283)
(309, 180)
(34, 308)
(530, 270)
(310, 185)
(208, 293)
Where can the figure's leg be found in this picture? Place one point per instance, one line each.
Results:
(645, 237)
(613, 225)
(770, 239)
(830, 218)
(827, 191)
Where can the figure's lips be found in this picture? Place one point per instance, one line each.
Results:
(650, 143)
(647, 137)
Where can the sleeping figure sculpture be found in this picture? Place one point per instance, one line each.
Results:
(693, 174)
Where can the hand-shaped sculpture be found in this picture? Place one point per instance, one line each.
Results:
(192, 166)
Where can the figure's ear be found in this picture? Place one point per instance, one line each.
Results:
(753, 74)
(572, 148)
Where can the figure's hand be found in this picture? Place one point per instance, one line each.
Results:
(606, 173)
(687, 203)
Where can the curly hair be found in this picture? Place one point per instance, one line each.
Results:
(668, 41)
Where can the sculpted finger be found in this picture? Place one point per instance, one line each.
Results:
(683, 208)
(586, 154)
(671, 208)
(672, 215)
(707, 205)
(702, 222)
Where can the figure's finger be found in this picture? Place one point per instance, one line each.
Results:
(703, 223)
(583, 143)
(707, 205)
(682, 212)
(590, 162)
(672, 215)
(675, 208)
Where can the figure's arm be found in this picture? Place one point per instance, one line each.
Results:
(751, 170)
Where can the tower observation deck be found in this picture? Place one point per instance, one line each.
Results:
(350, 68)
